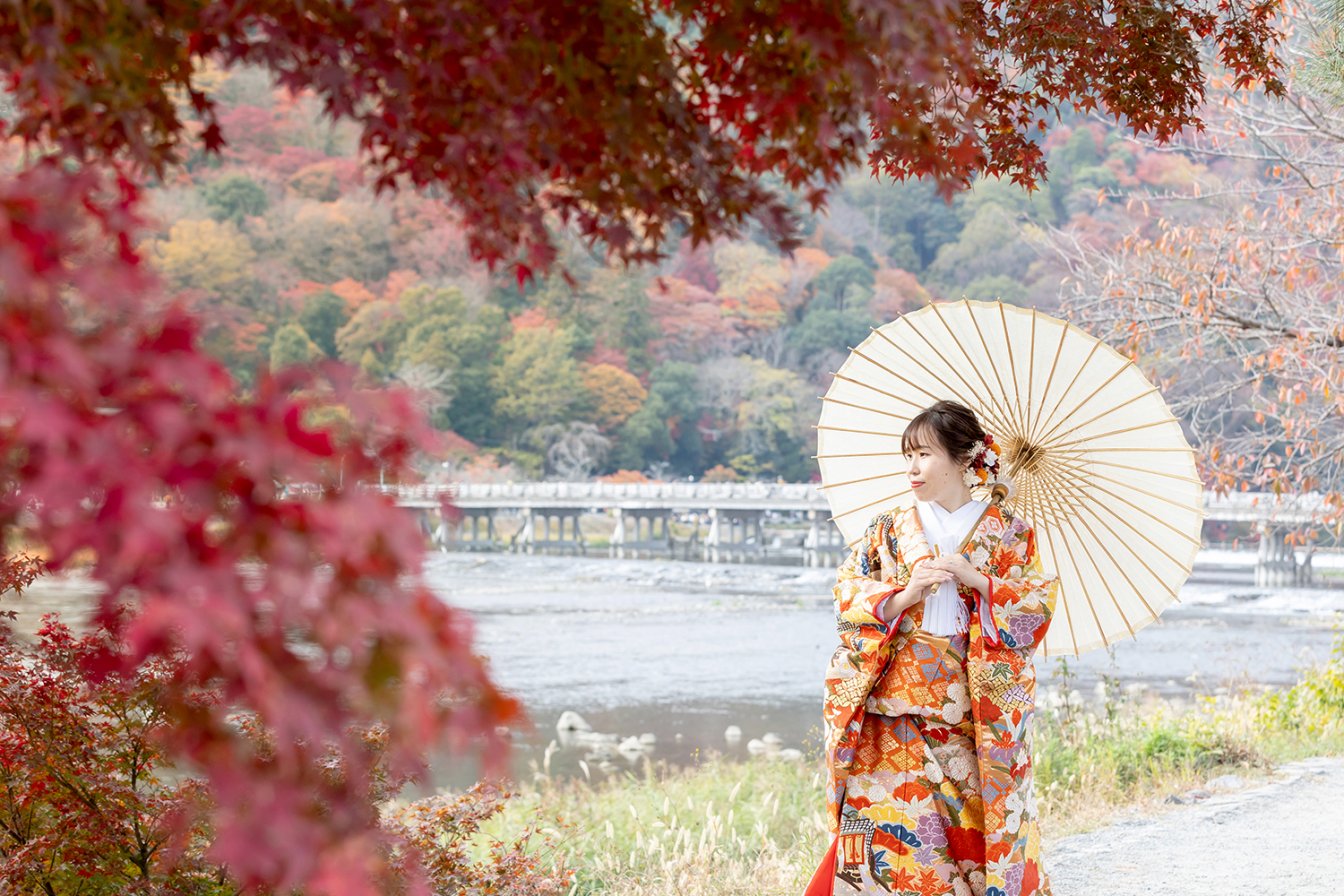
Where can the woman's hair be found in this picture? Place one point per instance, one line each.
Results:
(948, 425)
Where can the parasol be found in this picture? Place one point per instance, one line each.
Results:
(1100, 466)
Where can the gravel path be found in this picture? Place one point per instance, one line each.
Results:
(1283, 838)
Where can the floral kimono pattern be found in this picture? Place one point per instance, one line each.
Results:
(928, 737)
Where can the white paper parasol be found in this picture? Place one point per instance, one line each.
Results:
(1100, 466)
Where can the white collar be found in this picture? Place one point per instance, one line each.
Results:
(940, 523)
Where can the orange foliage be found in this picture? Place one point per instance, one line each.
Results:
(450, 444)
(808, 258)
(532, 319)
(397, 283)
(758, 309)
(356, 294)
(720, 473)
(691, 323)
(1165, 169)
(616, 394)
(625, 477)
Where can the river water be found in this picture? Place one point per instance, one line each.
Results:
(683, 650)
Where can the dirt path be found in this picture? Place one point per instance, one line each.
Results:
(1283, 838)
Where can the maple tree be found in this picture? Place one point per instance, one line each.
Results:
(695, 106)
(305, 609)
(442, 827)
(89, 806)
(634, 123)
(85, 805)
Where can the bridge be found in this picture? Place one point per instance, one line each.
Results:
(735, 522)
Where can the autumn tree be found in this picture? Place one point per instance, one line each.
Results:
(309, 609)
(88, 806)
(330, 241)
(1233, 301)
(324, 181)
(613, 395)
(942, 90)
(127, 444)
(207, 256)
(689, 322)
(896, 292)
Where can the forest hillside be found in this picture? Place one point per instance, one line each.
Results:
(708, 365)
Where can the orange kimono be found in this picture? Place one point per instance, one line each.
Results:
(928, 737)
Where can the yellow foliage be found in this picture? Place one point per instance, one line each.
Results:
(206, 255)
(615, 393)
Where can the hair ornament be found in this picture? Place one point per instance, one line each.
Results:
(984, 465)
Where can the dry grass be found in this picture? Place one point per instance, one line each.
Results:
(757, 827)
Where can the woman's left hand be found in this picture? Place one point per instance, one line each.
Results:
(959, 566)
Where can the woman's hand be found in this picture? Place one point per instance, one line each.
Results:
(960, 568)
(924, 580)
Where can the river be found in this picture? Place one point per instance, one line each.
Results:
(683, 650)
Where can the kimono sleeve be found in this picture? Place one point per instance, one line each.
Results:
(1022, 596)
(865, 579)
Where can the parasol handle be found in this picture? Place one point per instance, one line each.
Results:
(998, 492)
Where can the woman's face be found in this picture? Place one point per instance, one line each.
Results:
(934, 474)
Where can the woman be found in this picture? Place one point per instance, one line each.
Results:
(930, 696)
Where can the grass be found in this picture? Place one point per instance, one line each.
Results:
(724, 828)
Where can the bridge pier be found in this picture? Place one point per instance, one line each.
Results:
(642, 531)
(688, 548)
(823, 545)
(551, 530)
(1276, 565)
(474, 530)
(734, 535)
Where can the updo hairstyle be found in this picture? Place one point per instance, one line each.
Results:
(949, 425)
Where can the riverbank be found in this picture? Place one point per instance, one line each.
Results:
(1109, 784)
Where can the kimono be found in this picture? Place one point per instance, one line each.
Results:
(927, 745)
